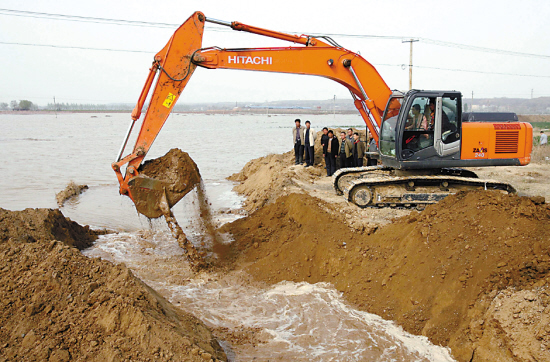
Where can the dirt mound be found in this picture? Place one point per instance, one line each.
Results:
(71, 190)
(435, 273)
(534, 118)
(44, 224)
(521, 318)
(58, 305)
(265, 179)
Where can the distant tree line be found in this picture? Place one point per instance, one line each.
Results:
(23, 105)
(88, 107)
(539, 105)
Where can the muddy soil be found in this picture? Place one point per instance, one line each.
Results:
(263, 180)
(177, 169)
(58, 305)
(436, 272)
(69, 192)
(45, 224)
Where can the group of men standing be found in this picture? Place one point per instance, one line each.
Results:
(348, 152)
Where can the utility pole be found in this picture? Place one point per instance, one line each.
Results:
(472, 101)
(411, 41)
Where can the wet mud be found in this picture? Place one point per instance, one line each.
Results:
(179, 175)
(177, 170)
(69, 192)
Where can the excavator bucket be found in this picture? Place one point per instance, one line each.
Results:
(166, 179)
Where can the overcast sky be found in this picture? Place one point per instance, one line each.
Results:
(98, 76)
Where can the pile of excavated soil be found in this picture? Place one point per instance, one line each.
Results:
(44, 224)
(70, 191)
(265, 179)
(443, 273)
(58, 305)
(534, 118)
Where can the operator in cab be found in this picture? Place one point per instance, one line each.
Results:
(446, 125)
(417, 121)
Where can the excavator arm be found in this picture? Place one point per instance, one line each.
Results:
(176, 62)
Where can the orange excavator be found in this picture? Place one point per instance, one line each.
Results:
(423, 138)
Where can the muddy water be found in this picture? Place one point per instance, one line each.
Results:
(291, 321)
(41, 154)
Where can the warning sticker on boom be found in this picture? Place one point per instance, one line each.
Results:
(169, 100)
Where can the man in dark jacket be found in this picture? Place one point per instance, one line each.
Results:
(349, 137)
(324, 139)
(332, 153)
(298, 136)
(358, 151)
(345, 150)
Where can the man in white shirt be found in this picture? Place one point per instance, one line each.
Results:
(543, 139)
(309, 141)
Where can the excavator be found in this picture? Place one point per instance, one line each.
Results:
(423, 138)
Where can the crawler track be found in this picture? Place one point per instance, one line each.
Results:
(384, 187)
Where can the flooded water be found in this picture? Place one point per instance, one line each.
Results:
(288, 321)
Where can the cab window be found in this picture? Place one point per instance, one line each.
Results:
(419, 126)
(387, 132)
(450, 122)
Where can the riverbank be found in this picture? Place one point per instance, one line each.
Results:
(470, 273)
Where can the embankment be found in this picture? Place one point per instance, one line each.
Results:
(469, 273)
(58, 305)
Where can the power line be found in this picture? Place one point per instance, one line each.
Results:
(380, 64)
(465, 70)
(86, 19)
(78, 47)
(439, 43)
(485, 72)
(482, 49)
(51, 16)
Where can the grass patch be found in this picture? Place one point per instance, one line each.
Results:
(540, 154)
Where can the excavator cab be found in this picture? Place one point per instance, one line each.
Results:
(421, 129)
